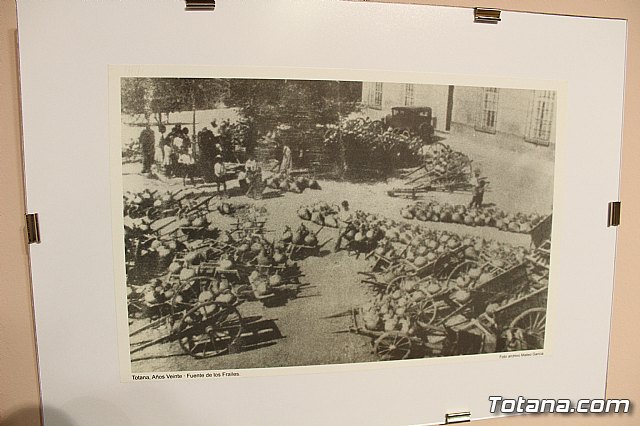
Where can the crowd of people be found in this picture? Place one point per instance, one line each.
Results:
(176, 155)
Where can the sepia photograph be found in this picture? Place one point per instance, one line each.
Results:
(283, 222)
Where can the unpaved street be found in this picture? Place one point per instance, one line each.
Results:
(308, 336)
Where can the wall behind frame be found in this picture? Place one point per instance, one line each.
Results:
(19, 399)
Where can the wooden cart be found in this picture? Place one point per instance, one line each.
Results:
(203, 330)
(455, 176)
(440, 267)
(505, 313)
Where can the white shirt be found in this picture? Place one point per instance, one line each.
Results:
(177, 142)
(251, 165)
(219, 170)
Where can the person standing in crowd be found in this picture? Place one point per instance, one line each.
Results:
(206, 150)
(178, 144)
(147, 144)
(173, 143)
(186, 162)
(186, 141)
(246, 176)
(210, 139)
(287, 162)
(178, 139)
(225, 139)
(217, 139)
(251, 167)
(159, 154)
(219, 174)
(198, 142)
(168, 157)
(175, 130)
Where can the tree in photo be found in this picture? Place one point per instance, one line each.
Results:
(137, 96)
(156, 96)
(299, 106)
(188, 94)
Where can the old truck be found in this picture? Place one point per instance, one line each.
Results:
(418, 120)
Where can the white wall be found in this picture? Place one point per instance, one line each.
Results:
(514, 105)
(514, 109)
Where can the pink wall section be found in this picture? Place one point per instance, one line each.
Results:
(19, 399)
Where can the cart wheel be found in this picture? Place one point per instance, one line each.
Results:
(528, 330)
(187, 293)
(209, 329)
(427, 310)
(462, 268)
(392, 346)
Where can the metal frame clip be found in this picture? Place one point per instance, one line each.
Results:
(613, 216)
(461, 417)
(486, 16)
(200, 5)
(33, 228)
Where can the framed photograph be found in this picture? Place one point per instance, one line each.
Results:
(280, 220)
(317, 212)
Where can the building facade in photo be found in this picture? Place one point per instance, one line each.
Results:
(526, 114)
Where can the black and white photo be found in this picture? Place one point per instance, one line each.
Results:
(289, 222)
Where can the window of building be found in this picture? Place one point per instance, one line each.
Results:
(375, 95)
(541, 117)
(409, 94)
(488, 111)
